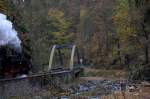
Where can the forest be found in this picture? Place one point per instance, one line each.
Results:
(110, 42)
(110, 34)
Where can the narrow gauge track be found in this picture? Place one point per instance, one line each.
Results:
(55, 71)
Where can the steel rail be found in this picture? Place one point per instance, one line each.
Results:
(54, 71)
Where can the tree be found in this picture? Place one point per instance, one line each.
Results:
(58, 27)
(131, 21)
(144, 11)
(126, 32)
(4, 6)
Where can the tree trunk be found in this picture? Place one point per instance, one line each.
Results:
(146, 54)
(146, 50)
(119, 52)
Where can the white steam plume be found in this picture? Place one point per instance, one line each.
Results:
(8, 35)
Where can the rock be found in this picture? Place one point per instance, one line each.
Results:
(64, 97)
(37, 97)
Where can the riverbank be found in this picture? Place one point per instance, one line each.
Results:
(98, 84)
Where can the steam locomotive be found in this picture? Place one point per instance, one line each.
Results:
(13, 63)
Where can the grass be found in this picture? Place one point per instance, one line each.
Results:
(104, 73)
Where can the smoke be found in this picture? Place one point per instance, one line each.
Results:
(8, 35)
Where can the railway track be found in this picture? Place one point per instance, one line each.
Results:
(32, 83)
(55, 71)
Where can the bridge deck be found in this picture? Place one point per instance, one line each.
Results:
(56, 71)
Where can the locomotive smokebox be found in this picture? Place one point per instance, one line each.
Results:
(12, 62)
